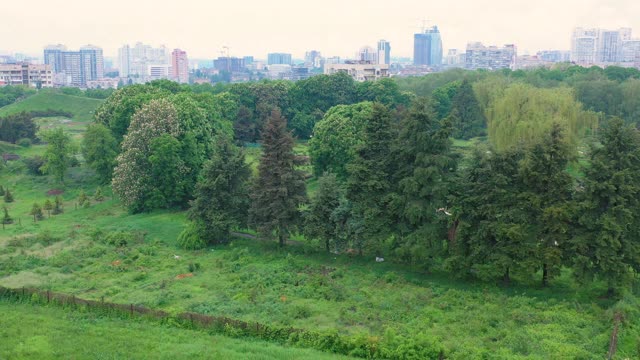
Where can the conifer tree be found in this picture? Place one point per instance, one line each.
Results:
(6, 219)
(369, 181)
(36, 211)
(83, 198)
(98, 196)
(222, 195)
(466, 116)
(48, 206)
(606, 244)
(1, 190)
(426, 165)
(547, 196)
(8, 197)
(322, 221)
(58, 206)
(280, 188)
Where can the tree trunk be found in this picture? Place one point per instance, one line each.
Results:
(506, 277)
(545, 275)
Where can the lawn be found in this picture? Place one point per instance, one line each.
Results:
(40, 332)
(82, 108)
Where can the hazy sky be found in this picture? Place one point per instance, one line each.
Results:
(335, 27)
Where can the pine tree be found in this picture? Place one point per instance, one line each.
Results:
(83, 199)
(369, 181)
(58, 206)
(606, 244)
(426, 164)
(547, 197)
(221, 197)
(36, 211)
(8, 197)
(466, 116)
(48, 206)
(280, 188)
(322, 221)
(6, 219)
(98, 196)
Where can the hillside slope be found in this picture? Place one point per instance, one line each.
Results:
(82, 108)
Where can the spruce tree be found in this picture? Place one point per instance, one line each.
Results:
(83, 199)
(222, 195)
(36, 211)
(48, 206)
(466, 116)
(6, 219)
(280, 188)
(426, 165)
(98, 196)
(547, 197)
(58, 206)
(606, 244)
(8, 197)
(369, 181)
(322, 220)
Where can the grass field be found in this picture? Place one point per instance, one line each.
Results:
(81, 107)
(36, 332)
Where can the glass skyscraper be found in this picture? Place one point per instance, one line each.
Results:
(427, 47)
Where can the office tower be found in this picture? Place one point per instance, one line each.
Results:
(479, 56)
(278, 59)
(427, 47)
(384, 52)
(92, 63)
(179, 66)
(367, 54)
(230, 64)
(75, 68)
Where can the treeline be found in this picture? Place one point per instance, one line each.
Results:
(20, 126)
(389, 180)
(11, 94)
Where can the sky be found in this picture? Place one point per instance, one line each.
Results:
(334, 27)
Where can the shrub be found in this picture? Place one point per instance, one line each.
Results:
(34, 165)
(58, 207)
(118, 238)
(193, 267)
(8, 197)
(190, 238)
(24, 142)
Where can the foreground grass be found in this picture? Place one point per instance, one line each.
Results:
(36, 332)
(82, 108)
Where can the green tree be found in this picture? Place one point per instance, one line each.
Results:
(6, 219)
(547, 197)
(222, 195)
(321, 221)
(280, 188)
(100, 149)
(469, 120)
(335, 138)
(98, 195)
(606, 244)
(8, 197)
(1, 190)
(83, 199)
(36, 211)
(58, 206)
(48, 206)
(425, 167)
(167, 173)
(369, 181)
(58, 153)
(442, 99)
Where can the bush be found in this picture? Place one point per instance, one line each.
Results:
(191, 239)
(24, 142)
(34, 165)
(118, 238)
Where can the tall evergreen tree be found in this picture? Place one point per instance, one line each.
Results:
(466, 115)
(322, 222)
(426, 164)
(547, 195)
(606, 244)
(8, 197)
(221, 197)
(369, 181)
(280, 188)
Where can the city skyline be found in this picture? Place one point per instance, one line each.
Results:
(258, 28)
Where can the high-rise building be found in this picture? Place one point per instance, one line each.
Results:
(135, 61)
(427, 47)
(384, 52)
(279, 59)
(367, 54)
(609, 46)
(313, 59)
(75, 68)
(179, 66)
(479, 56)
(554, 56)
(630, 50)
(26, 74)
(602, 46)
(230, 64)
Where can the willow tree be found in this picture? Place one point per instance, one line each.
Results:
(523, 114)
